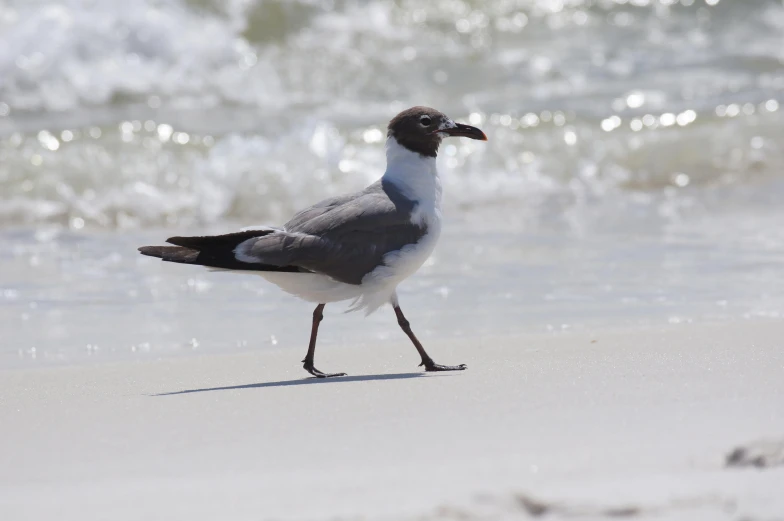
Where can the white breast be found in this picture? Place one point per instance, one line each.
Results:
(417, 178)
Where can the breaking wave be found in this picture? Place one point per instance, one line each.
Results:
(153, 113)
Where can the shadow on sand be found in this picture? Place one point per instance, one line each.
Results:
(303, 381)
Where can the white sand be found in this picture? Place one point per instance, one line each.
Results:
(580, 425)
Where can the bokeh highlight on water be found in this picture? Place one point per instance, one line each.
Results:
(629, 139)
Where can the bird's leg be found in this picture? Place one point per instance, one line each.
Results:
(428, 362)
(308, 361)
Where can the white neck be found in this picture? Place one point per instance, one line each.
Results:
(415, 175)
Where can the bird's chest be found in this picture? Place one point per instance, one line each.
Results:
(410, 258)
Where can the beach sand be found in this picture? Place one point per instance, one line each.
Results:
(590, 425)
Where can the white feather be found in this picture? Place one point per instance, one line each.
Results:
(416, 176)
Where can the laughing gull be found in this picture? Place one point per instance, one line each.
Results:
(353, 247)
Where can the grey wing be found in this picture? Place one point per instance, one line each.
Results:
(317, 209)
(345, 242)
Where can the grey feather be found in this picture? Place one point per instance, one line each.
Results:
(344, 237)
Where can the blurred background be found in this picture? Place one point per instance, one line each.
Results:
(633, 173)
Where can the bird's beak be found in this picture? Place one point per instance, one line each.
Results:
(465, 131)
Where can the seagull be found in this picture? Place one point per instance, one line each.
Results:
(356, 247)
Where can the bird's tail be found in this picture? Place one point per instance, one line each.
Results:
(215, 251)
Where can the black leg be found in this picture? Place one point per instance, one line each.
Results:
(308, 361)
(428, 362)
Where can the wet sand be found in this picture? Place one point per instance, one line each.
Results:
(587, 425)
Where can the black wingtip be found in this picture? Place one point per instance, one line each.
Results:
(180, 241)
(216, 251)
(150, 251)
(171, 253)
(228, 241)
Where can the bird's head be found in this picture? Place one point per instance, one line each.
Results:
(421, 129)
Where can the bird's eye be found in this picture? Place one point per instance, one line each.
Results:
(425, 121)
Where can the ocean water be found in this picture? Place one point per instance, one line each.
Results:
(634, 172)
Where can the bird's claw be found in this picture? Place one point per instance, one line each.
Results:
(319, 374)
(431, 366)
